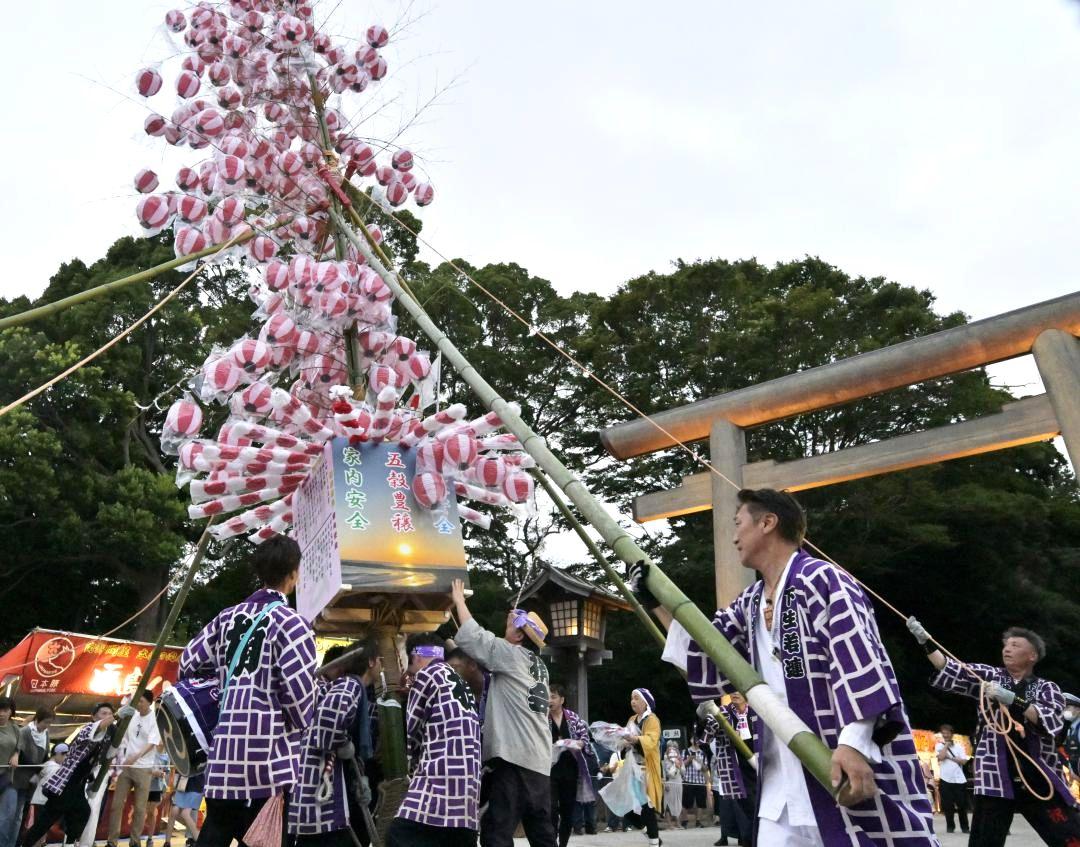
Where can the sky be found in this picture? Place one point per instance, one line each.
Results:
(931, 143)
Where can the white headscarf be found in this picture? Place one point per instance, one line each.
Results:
(650, 702)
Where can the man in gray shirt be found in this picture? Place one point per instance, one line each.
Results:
(517, 738)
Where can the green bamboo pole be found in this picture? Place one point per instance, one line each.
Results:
(163, 636)
(392, 754)
(781, 720)
(598, 554)
(628, 595)
(109, 287)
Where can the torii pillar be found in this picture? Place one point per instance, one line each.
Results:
(727, 453)
(1057, 355)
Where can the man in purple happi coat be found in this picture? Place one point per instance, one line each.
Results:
(810, 631)
(734, 778)
(319, 809)
(1007, 781)
(442, 732)
(65, 790)
(267, 698)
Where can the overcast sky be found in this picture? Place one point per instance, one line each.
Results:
(932, 143)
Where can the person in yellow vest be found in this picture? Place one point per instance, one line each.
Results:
(646, 750)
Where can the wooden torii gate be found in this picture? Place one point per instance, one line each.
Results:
(1047, 330)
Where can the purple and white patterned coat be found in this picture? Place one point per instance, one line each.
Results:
(585, 758)
(268, 704)
(993, 777)
(335, 713)
(727, 778)
(442, 731)
(86, 745)
(836, 672)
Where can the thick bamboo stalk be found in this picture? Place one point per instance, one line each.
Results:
(601, 559)
(628, 595)
(163, 636)
(109, 287)
(787, 726)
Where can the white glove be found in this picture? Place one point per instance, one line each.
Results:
(125, 712)
(918, 630)
(346, 751)
(1000, 693)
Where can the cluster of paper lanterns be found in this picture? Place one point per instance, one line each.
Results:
(245, 98)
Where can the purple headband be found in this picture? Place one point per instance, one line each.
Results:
(429, 651)
(521, 620)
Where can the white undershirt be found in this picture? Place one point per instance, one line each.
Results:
(784, 786)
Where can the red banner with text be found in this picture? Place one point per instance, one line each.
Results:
(63, 663)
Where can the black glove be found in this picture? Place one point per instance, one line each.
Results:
(635, 579)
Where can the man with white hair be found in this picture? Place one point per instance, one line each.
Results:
(1006, 780)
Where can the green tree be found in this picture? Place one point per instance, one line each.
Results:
(93, 521)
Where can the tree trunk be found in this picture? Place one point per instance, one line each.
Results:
(147, 585)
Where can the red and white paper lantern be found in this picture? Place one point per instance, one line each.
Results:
(187, 84)
(429, 489)
(279, 329)
(396, 193)
(276, 276)
(222, 376)
(423, 194)
(188, 240)
(184, 418)
(430, 456)
(262, 248)
(191, 209)
(210, 122)
(153, 212)
(145, 181)
(255, 399)
(252, 355)
(377, 36)
(491, 471)
(175, 20)
(148, 82)
(461, 450)
(518, 487)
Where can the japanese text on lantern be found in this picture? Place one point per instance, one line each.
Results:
(400, 510)
(355, 497)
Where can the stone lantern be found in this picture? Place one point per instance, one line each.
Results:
(576, 614)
